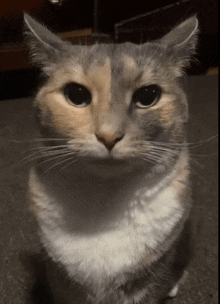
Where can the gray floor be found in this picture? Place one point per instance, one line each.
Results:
(20, 243)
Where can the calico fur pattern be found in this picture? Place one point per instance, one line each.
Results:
(111, 187)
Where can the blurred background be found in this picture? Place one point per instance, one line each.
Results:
(83, 21)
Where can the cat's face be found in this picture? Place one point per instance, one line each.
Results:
(116, 101)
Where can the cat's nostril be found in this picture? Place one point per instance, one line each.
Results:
(109, 140)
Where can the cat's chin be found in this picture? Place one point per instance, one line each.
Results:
(111, 167)
(107, 166)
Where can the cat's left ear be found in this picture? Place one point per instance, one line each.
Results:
(182, 41)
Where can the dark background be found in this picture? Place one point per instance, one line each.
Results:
(123, 20)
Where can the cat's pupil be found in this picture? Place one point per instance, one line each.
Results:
(146, 96)
(77, 94)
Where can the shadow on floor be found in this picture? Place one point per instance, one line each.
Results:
(39, 292)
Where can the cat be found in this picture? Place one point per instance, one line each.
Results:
(111, 186)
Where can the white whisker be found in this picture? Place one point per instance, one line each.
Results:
(38, 140)
(161, 154)
(204, 155)
(40, 154)
(150, 161)
(56, 157)
(70, 163)
(165, 149)
(57, 164)
(47, 148)
(193, 144)
(195, 162)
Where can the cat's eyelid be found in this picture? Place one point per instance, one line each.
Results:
(144, 107)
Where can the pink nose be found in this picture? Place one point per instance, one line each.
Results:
(108, 139)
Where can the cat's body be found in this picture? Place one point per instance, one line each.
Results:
(105, 248)
(113, 198)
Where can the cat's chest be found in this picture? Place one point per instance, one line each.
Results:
(133, 240)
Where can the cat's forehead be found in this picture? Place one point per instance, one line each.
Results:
(124, 63)
(118, 56)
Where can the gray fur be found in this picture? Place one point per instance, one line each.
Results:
(154, 180)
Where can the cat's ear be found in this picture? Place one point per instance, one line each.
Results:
(184, 35)
(46, 47)
(182, 41)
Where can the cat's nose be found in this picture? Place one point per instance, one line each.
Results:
(109, 139)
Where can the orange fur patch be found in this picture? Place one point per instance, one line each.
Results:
(66, 118)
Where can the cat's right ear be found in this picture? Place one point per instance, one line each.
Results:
(46, 47)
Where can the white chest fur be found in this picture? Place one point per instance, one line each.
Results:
(92, 257)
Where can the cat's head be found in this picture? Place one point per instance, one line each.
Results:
(121, 101)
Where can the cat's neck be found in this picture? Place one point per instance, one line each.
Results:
(83, 182)
(92, 203)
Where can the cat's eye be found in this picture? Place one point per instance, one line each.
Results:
(77, 94)
(146, 96)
